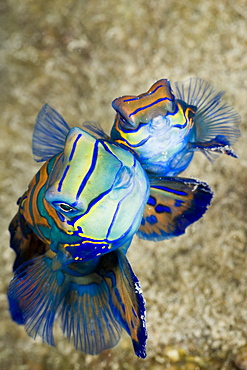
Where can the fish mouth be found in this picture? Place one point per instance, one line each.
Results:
(87, 249)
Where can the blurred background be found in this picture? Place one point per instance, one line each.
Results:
(78, 56)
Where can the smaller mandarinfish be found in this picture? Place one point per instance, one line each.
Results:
(164, 128)
(73, 228)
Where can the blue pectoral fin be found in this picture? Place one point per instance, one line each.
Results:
(99, 305)
(218, 145)
(92, 308)
(173, 205)
(49, 134)
(126, 298)
(34, 296)
(86, 315)
(213, 117)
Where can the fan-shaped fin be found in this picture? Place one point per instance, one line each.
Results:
(173, 205)
(49, 134)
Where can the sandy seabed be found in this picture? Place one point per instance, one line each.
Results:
(78, 56)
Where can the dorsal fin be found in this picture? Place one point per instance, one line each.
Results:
(49, 134)
(94, 129)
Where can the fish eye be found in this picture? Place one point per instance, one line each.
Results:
(125, 124)
(65, 207)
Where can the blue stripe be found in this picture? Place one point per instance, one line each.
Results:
(108, 150)
(97, 199)
(143, 96)
(177, 192)
(142, 142)
(74, 147)
(118, 206)
(113, 218)
(91, 204)
(149, 105)
(90, 171)
(181, 126)
(63, 177)
(124, 129)
(174, 113)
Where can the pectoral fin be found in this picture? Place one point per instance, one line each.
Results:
(173, 205)
(92, 308)
(126, 298)
(218, 145)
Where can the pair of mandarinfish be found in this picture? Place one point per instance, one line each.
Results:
(76, 221)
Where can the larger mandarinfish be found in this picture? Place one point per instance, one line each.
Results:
(165, 128)
(73, 228)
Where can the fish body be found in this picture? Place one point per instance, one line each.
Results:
(74, 226)
(165, 128)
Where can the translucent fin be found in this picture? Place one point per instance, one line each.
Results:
(34, 295)
(173, 205)
(24, 242)
(216, 146)
(213, 116)
(126, 298)
(92, 308)
(49, 134)
(87, 317)
(95, 129)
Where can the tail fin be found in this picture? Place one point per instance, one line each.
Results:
(92, 309)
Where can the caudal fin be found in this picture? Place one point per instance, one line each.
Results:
(92, 309)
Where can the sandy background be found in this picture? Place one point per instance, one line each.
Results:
(78, 56)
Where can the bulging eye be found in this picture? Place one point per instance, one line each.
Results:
(65, 207)
(125, 125)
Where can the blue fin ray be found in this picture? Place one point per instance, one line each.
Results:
(86, 316)
(213, 147)
(34, 297)
(126, 298)
(213, 117)
(92, 308)
(95, 129)
(173, 205)
(49, 134)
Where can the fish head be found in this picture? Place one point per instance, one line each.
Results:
(152, 122)
(135, 110)
(98, 190)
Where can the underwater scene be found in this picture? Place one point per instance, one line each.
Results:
(123, 185)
